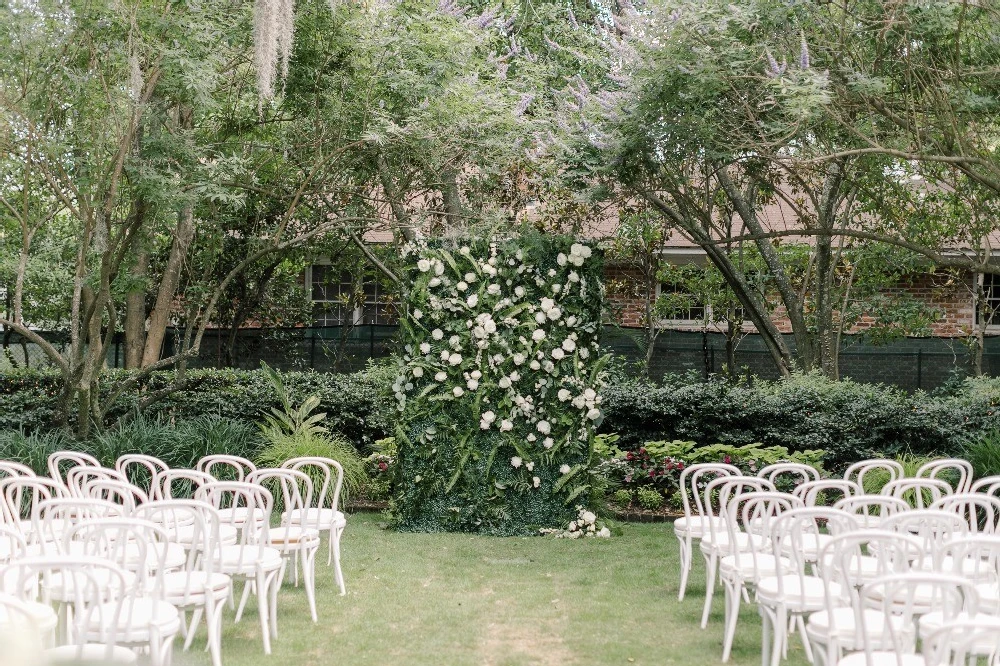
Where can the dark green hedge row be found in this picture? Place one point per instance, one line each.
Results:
(359, 406)
(850, 421)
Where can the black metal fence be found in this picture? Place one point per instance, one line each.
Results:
(912, 363)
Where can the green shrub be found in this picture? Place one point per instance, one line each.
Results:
(622, 497)
(984, 454)
(649, 499)
(33, 449)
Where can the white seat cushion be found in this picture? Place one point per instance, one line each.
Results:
(246, 559)
(844, 629)
(194, 586)
(882, 659)
(184, 535)
(90, 654)
(749, 568)
(324, 518)
(238, 516)
(292, 534)
(796, 592)
(698, 525)
(935, 620)
(174, 558)
(60, 591)
(136, 619)
(719, 542)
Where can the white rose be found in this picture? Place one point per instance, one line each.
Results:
(588, 517)
(573, 276)
(493, 289)
(417, 314)
(538, 335)
(540, 317)
(564, 395)
(425, 348)
(544, 427)
(535, 365)
(506, 425)
(418, 371)
(475, 374)
(564, 469)
(461, 286)
(472, 384)
(441, 376)
(568, 345)
(424, 265)
(444, 355)
(531, 437)
(438, 268)
(437, 334)
(455, 341)
(479, 332)
(489, 416)
(464, 250)
(490, 326)
(519, 291)
(605, 533)
(579, 402)
(548, 443)
(571, 321)
(434, 282)
(470, 277)
(515, 462)
(546, 304)
(504, 383)
(458, 391)
(519, 359)
(514, 376)
(590, 394)
(554, 313)
(556, 288)
(473, 300)
(558, 353)
(593, 414)
(454, 359)
(561, 259)
(584, 352)
(535, 481)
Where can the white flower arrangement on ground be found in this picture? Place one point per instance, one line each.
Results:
(586, 525)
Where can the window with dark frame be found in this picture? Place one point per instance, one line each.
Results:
(334, 299)
(696, 312)
(990, 308)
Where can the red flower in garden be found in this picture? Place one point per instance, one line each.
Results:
(382, 466)
(680, 466)
(727, 460)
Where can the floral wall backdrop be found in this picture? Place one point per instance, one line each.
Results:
(498, 390)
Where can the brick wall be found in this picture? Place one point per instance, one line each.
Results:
(950, 295)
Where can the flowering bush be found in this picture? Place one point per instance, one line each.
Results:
(498, 389)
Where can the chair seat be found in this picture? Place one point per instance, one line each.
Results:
(935, 620)
(60, 591)
(864, 567)
(719, 542)
(748, 568)
(90, 654)
(922, 595)
(844, 629)
(810, 545)
(193, 587)
(324, 519)
(796, 592)
(882, 659)
(174, 558)
(696, 526)
(136, 620)
(247, 559)
(970, 567)
(293, 534)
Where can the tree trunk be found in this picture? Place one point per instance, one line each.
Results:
(159, 317)
(135, 312)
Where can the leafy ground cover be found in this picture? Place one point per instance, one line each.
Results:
(467, 599)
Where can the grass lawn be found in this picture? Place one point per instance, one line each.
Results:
(448, 599)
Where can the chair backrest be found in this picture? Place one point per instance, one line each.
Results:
(140, 469)
(20, 494)
(60, 462)
(872, 509)
(119, 492)
(196, 521)
(52, 518)
(750, 516)
(825, 490)
(909, 596)
(89, 624)
(790, 473)
(718, 492)
(179, 483)
(225, 467)
(234, 496)
(932, 526)
(133, 544)
(293, 488)
(694, 477)
(11, 468)
(962, 642)
(13, 545)
(330, 475)
(980, 511)
(917, 492)
(78, 477)
(977, 557)
(959, 470)
(858, 471)
(798, 535)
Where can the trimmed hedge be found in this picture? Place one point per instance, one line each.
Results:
(359, 405)
(850, 421)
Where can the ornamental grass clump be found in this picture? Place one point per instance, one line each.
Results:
(498, 388)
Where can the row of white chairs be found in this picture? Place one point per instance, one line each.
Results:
(732, 550)
(177, 543)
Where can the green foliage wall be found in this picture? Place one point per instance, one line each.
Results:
(498, 387)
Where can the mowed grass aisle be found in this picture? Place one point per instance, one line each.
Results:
(448, 599)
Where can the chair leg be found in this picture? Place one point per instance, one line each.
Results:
(779, 649)
(685, 545)
(195, 619)
(263, 609)
(765, 636)
(309, 578)
(338, 572)
(247, 588)
(213, 618)
(800, 620)
(733, 591)
(273, 600)
(711, 562)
